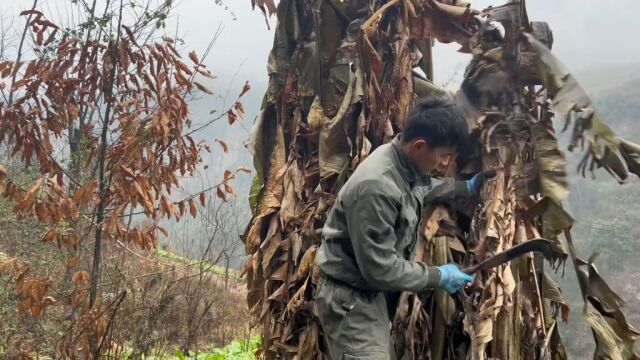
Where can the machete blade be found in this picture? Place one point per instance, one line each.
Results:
(543, 246)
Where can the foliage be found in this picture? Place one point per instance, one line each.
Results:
(236, 350)
(115, 105)
(156, 310)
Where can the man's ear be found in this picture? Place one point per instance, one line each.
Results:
(420, 144)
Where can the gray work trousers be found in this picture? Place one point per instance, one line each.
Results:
(355, 323)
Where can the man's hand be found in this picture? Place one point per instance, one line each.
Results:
(476, 183)
(452, 279)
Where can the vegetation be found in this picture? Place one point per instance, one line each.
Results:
(95, 140)
(106, 253)
(236, 350)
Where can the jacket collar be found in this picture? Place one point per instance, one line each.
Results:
(406, 167)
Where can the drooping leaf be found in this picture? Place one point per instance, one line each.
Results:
(225, 147)
(202, 88)
(228, 175)
(50, 235)
(231, 117)
(192, 208)
(239, 109)
(550, 163)
(194, 57)
(221, 194)
(605, 148)
(245, 88)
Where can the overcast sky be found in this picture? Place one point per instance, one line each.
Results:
(587, 33)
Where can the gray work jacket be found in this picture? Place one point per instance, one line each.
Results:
(370, 234)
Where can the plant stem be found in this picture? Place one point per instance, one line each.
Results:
(19, 56)
(103, 183)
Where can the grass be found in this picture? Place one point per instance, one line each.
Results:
(217, 270)
(236, 350)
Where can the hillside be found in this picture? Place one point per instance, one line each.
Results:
(170, 303)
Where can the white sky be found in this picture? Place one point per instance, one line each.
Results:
(587, 32)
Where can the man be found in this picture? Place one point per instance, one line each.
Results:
(370, 235)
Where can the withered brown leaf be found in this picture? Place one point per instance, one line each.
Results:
(221, 194)
(224, 145)
(192, 208)
(245, 88)
(231, 117)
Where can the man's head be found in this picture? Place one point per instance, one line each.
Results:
(433, 132)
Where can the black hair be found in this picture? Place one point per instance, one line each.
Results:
(438, 121)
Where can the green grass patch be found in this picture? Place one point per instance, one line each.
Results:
(236, 350)
(217, 270)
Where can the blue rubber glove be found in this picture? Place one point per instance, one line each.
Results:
(452, 279)
(478, 180)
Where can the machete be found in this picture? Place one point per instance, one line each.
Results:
(540, 245)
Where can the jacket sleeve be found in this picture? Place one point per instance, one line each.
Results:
(370, 221)
(452, 192)
(448, 191)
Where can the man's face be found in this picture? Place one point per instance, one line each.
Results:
(429, 159)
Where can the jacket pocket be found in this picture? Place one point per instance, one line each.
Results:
(344, 297)
(334, 300)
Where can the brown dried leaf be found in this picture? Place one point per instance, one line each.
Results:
(7, 264)
(181, 208)
(194, 57)
(224, 145)
(245, 88)
(239, 109)
(202, 88)
(50, 235)
(231, 117)
(163, 231)
(280, 273)
(221, 194)
(40, 37)
(41, 211)
(127, 171)
(306, 263)
(85, 193)
(192, 208)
